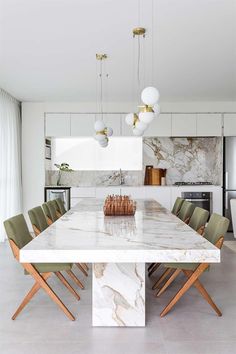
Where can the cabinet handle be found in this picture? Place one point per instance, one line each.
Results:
(226, 201)
(226, 179)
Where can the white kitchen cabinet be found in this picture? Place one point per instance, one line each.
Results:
(160, 126)
(230, 124)
(57, 124)
(82, 124)
(74, 201)
(161, 194)
(134, 192)
(184, 125)
(113, 121)
(103, 192)
(83, 192)
(126, 130)
(209, 124)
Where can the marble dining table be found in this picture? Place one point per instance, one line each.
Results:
(118, 248)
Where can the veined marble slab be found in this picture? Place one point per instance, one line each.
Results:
(119, 294)
(84, 234)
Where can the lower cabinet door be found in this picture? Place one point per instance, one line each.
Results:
(161, 194)
(134, 192)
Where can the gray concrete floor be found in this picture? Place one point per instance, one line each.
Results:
(191, 327)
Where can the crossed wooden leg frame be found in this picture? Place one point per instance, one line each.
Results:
(41, 282)
(192, 280)
(82, 266)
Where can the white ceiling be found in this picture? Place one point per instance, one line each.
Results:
(47, 48)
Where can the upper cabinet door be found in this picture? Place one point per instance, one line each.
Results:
(184, 124)
(57, 124)
(113, 121)
(82, 124)
(230, 124)
(160, 126)
(126, 130)
(209, 124)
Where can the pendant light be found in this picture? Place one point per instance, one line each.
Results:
(102, 132)
(149, 96)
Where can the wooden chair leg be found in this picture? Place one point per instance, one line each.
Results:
(162, 277)
(204, 293)
(154, 268)
(67, 285)
(198, 271)
(49, 221)
(85, 266)
(168, 282)
(201, 229)
(29, 296)
(75, 279)
(40, 280)
(58, 214)
(79, 265)
(150, 267)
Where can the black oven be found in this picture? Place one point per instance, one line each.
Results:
(200, 199)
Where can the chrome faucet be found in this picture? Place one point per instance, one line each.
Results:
(122, 180)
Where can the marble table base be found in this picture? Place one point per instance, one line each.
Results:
(119, 294)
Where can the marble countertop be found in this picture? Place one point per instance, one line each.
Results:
(84, 234)
(134, 186)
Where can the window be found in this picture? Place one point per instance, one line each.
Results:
(86, 154)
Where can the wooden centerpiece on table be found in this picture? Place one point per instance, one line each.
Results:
(117, 205)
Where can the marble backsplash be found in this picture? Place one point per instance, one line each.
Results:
(186, 159)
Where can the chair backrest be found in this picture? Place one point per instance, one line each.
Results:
(37, 218)
(61, 206)
(46, 210)
(52, 206)
(50, 211)
(216, 227)
(55, 205)
(176, 207)
(186, 210)
(198, 218)
(17, 230)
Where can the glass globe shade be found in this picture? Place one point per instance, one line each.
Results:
(129, 119)
(150, 95)
(109, 131)
(103, 143)
(99, 125)
(141, 125)
(157, 109)
(100, 137)
(146, 117)
(137, 132)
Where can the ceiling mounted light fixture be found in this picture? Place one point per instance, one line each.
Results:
(149, 96)
(102, 132)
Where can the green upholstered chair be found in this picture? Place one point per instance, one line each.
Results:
(198, 219)
(214, 233)
(197, 222)
(38, 220)
(19, 236)
(61, 206)
(52, 206)
(47, 213)
(56, 208)
(39, 224)
(50, 212)
(176, 207)
(186, 211)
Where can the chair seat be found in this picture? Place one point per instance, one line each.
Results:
(51, 267)
(185, 266)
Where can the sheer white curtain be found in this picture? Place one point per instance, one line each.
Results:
(10, 159)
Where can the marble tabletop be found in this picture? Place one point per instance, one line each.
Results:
(84, 234)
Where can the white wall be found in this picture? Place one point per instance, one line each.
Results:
(33, 135)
